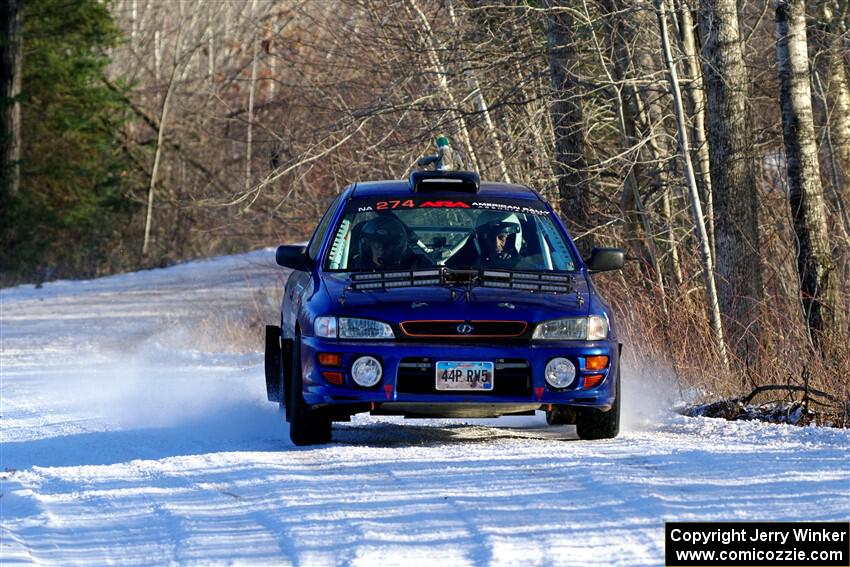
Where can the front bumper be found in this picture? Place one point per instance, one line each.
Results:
(519, 372)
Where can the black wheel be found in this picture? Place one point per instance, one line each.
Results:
(273, 372)
(594, 424)
(306, 425)
(560, 415)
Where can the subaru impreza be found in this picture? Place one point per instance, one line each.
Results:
(443, 296)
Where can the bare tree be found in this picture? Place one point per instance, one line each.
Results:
(621, 28)
(832, 122)
(696, 97)
(690, 177)
(569, 124)
(481, 104)
(441, 73)
(808, 207)
(181, 59)
(732, 173)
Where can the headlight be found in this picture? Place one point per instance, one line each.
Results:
(593, 328)
(364, 329)
(352, 328)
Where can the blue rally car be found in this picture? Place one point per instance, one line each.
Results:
(443, 296)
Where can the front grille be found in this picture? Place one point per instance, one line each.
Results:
(512, 377)
(464, 329)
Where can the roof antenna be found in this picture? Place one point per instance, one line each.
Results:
(447, 159)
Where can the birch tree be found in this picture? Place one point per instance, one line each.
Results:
(690, 178)
(805, 193)
(696, 97)
(830, 79)
(732, 173)
(181, 59)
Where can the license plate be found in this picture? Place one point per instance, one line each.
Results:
(453, 375)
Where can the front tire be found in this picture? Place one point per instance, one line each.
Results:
(306, 425)
(592, 424)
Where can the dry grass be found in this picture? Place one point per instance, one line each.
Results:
(681, 339)
(243, 329)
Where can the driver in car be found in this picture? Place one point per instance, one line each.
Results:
(498, 253)
(493, 244)
(384, 244)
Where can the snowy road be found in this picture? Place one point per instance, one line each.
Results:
(132, 433)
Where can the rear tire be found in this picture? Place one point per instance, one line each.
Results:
(306, 425)
(592, 423)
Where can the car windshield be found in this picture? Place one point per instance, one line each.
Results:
(459, 232)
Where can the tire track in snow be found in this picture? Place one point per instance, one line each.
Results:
(217, 483)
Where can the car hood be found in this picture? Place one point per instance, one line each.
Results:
(437, 303)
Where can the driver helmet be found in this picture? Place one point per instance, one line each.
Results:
(490, 224)
(389, 232)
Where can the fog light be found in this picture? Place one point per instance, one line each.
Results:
(592, 381)
(366, 371)
(560, 373)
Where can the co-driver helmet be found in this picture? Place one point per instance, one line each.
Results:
(390, 232)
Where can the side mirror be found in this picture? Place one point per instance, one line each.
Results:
(294, 257)
(606, 259)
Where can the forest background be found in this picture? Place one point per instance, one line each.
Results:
(709, 138)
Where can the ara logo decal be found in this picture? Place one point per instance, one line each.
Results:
(444, 204)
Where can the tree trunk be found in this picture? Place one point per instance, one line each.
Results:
(163, 116)
(732, 174)
(838, 109)
(10, 88)
(648, 116)
(833, 111)
(696, 96)
(251, 90)
(621, 32)
(808, 207)
(690, 177)
(568, 121)
(157, 154)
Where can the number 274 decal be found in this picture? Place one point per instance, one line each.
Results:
(409, 204)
